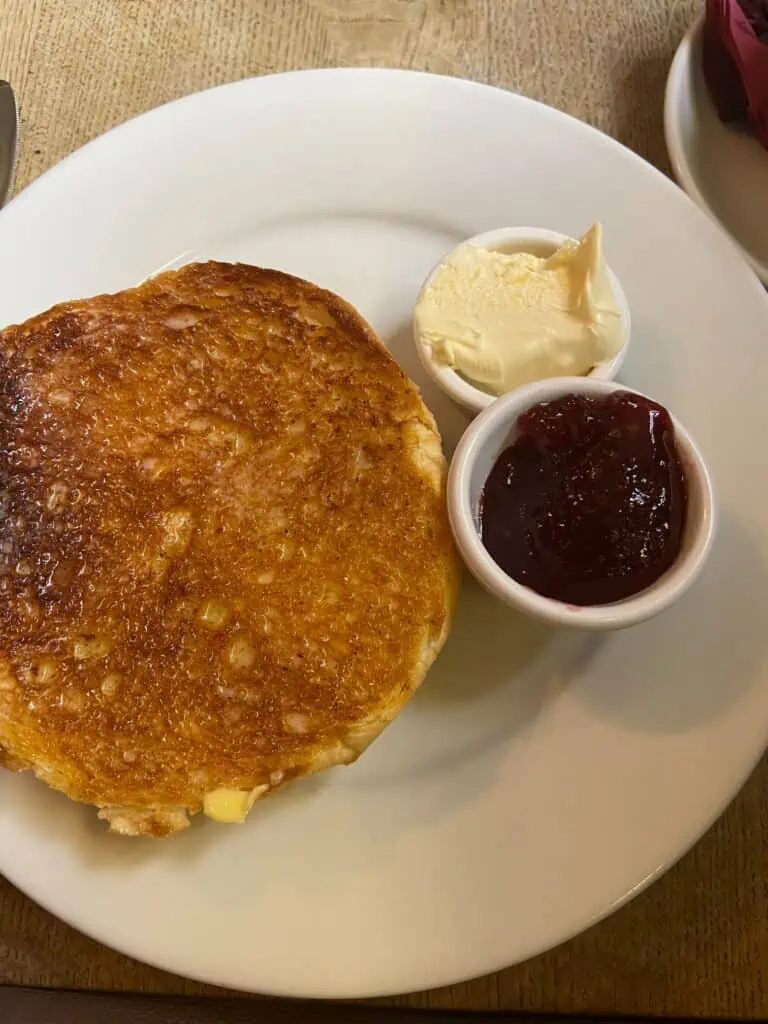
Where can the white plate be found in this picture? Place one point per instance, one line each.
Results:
(539, 779)
(724, 169)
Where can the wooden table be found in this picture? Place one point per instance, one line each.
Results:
(697, 942)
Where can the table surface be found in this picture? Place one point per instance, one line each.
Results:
(697, 942)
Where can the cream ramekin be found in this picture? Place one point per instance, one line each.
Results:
(540, 242)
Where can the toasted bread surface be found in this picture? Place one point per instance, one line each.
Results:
(223, 542)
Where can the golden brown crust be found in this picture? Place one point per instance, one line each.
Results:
(224, 551)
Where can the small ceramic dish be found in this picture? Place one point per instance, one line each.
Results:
(539, 242)
(483, 442)
(724, 169)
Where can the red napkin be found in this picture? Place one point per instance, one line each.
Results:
(735, 51)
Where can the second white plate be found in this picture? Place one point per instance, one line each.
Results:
(722, 167)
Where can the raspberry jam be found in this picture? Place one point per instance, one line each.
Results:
(588, 504)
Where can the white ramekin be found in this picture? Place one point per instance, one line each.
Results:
(540, 242)
(489, 434)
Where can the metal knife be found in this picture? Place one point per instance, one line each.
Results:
(9, 130)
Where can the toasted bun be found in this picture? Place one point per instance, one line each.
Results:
(223, 541)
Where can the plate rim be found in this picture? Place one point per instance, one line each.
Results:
(445, 980)
(341, 70)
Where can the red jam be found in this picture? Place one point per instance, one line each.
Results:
(588, 504)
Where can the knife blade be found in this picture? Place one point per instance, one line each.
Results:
(9, 130)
